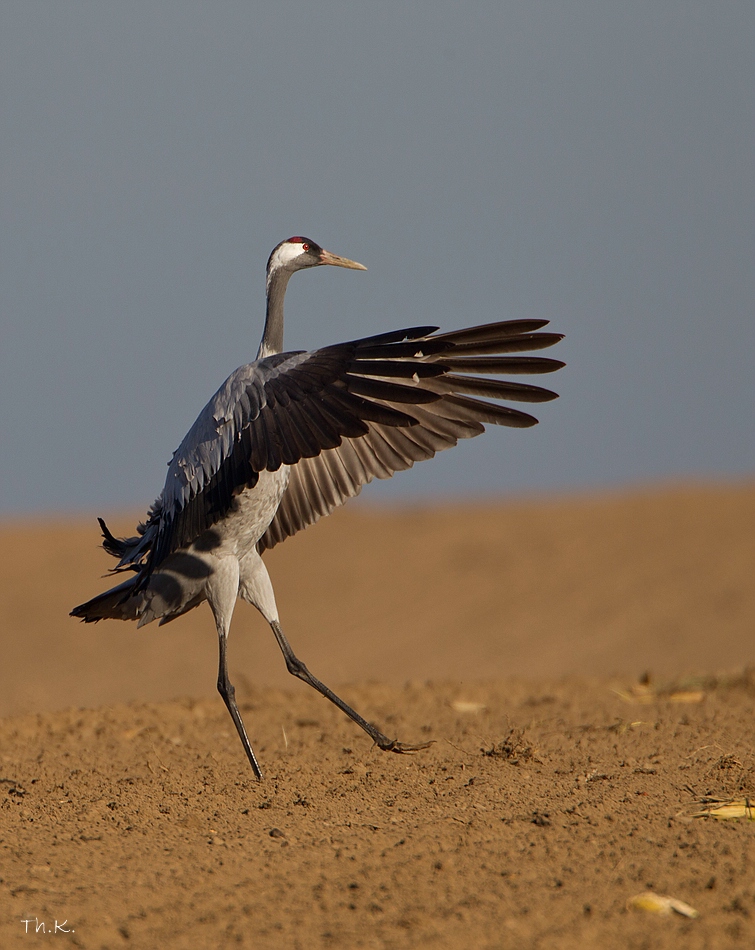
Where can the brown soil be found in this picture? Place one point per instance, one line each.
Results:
(514, 635)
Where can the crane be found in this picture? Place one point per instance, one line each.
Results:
(293, 435)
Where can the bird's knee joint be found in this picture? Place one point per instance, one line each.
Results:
(226, 689)
(296, 667)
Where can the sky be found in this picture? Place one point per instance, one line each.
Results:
(587, 163)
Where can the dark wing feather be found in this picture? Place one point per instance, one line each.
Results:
(338, 417)
(443, 405)
(510, 365)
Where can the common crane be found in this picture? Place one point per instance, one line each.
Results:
(293, 435)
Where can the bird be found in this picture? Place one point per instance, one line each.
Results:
(290, 437)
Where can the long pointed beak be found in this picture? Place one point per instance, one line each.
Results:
(327, 258)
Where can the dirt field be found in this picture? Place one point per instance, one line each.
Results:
(581, 663)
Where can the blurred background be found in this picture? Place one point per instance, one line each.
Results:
(590, 164)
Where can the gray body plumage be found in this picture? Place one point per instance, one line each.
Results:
(291, 436)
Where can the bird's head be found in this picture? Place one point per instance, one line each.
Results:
(299, 252)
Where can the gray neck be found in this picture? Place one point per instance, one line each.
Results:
(272, 338)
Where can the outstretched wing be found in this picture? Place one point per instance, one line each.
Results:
(339, 417)
(448, 392)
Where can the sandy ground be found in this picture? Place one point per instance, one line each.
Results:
(558, 788)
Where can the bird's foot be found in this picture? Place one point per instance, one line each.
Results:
(393, 745)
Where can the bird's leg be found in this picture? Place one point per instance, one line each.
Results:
(221, 590)
(295, 666)
(227, 691)
(255, 587)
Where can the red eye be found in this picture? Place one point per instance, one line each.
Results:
(305, 247)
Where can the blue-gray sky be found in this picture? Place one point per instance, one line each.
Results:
(587, 163)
